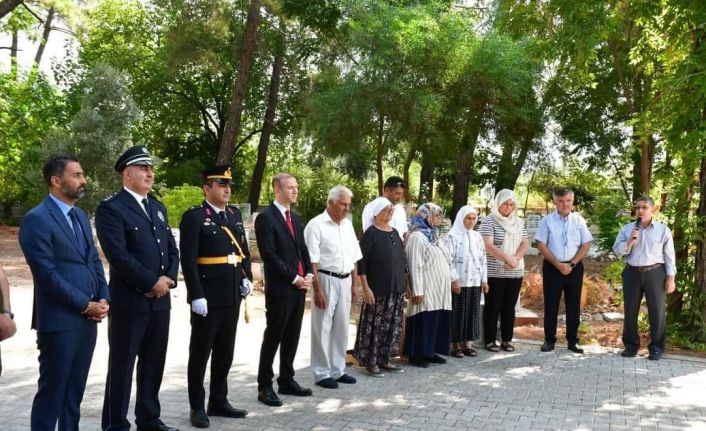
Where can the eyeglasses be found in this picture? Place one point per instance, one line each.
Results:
(641, 207)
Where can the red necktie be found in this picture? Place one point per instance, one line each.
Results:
(300, 268)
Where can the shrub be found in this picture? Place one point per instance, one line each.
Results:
(179, 199)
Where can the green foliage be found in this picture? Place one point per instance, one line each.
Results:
(609, 213)
(179, 199)
(613, 273)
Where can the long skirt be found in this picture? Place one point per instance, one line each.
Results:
(465, 317)
(379, 330)
(428, 332)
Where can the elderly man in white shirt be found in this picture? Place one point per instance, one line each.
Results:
(393, 190)
(334, 251)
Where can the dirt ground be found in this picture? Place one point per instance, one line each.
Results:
(600, 297)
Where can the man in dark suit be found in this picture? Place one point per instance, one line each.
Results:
(137, 240)
(216, 263)
(288, 274)
(70, 294)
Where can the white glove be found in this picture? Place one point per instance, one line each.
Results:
(199, 306)
(245, 286)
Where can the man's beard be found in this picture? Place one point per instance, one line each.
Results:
(74, 194)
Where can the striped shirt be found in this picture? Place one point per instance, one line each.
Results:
(429, 273)
(496, 268)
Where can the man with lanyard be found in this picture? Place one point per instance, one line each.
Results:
(334, 251)
(216, 263)
(563, 240)
(648, 249)
(393, 190)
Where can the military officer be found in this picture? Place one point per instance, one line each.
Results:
(134, 233)
(216, 263)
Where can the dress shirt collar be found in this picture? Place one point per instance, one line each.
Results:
(137, 197)
(281, 208)
(63, 206)
(215, 208)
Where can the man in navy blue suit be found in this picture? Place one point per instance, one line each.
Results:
(134, 233)
(70, 294)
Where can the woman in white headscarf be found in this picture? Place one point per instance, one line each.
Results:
(383, 274)
(428, 311)
(505, 239)
(470, 276)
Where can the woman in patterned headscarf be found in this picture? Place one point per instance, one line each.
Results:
(428, 311)
(468, 269)
(506, 242)
(383, 274)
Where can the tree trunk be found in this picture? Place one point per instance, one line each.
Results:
(13, 54)
(6, 6)
(426, 178)
(464, 166)
(405, 171)
(45, 38)
(508, 169)
(700, 260)
(379, 151)
(642, 157)
(675, 301)
(235, 112)
(269, 124)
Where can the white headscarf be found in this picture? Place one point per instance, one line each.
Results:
(458, 226)
(512, 224)
(377, 206)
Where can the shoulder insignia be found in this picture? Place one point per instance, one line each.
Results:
(111, 197)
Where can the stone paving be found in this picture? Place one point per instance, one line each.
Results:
(524, 390)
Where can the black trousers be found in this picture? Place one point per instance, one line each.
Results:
(284, 322)
(651, 285)
(141, 336)
(554, 283)
(64, 361)
(500, 301)
(213, 333)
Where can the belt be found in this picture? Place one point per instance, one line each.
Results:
(231, 259)
(645, 268)
(334, 274)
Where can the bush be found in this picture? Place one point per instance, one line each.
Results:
(609, 213)
(179, 199)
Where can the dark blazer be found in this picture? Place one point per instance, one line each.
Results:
(64, 280)
(139, 250)
(280, 252)
(201, 235)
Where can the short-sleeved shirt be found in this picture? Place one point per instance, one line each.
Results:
(332, 246)
(496, 268)
(563, 236)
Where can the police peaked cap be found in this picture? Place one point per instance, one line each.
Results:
(133, 156)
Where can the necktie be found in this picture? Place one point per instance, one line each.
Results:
(146, 205)
(81, 241)
(224, 217)
(300, 267)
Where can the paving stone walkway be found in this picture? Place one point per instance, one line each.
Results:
(523, 390)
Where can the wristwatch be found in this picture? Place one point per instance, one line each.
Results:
(572, 264)
(9, 313)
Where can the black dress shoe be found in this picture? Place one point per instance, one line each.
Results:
(437, 359)
(655, 355)
(347, 379)
(199, 419)
(269, 397)
(327, 383)
(575, 348)
(160, 427)
(547, 347)
(293, 388)
(629, 352)
(226, 410)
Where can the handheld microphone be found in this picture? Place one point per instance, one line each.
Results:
(638, 221)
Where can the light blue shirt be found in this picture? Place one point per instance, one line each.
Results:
(654, 245)
(65, 208)
(563, 236)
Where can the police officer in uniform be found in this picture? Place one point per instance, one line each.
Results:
(134, 233)
(215, 261)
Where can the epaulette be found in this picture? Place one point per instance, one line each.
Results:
(111, 197)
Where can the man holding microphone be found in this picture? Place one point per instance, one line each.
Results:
(648, 249)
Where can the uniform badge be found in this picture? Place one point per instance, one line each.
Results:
(207, 222)
(160, 215)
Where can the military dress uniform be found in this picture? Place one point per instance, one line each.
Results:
(214, 259)
(140, 247)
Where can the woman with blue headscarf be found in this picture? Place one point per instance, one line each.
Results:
(428, 311)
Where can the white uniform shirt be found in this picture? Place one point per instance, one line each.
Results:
(334, 247)
(399, 219)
